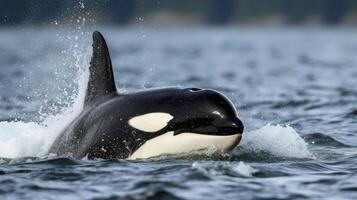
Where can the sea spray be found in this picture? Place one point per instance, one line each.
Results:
(34, 138)
(21, 139)
(275, 141)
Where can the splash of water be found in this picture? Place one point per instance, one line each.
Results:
(275, 140)
(21, 139)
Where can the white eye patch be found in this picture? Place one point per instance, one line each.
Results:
(150, 122)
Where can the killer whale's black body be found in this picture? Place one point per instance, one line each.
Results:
(102, 129)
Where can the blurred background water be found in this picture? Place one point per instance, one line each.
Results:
(173, 12)
(288, 66)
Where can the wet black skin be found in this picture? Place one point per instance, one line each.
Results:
(102, 129)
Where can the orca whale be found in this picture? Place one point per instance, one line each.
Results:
(145, 123)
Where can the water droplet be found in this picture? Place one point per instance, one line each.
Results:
(81, 4)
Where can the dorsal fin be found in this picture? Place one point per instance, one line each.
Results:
(101, 78)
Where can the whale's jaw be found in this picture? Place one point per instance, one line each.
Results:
(169, 143)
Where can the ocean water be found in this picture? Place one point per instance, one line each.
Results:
(294, 89)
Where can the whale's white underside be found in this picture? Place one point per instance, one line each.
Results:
(183, 143)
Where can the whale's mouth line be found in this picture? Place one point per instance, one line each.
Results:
(205, 127)
(211, 130)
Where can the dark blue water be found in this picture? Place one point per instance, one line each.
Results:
(294, 88)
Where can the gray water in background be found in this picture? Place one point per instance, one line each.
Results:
(302, 77)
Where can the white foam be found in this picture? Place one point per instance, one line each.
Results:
(277, 140)
(244, 169)
(20, 139)
(221, 168)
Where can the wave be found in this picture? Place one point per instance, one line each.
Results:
(46, 160)
(272, 142)
(325, 140)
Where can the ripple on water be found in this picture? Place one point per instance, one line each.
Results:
(325, 140)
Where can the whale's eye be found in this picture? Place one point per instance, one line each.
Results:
(150, 122)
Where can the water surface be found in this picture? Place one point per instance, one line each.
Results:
(294, 89)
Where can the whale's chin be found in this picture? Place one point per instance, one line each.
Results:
(169, 143)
